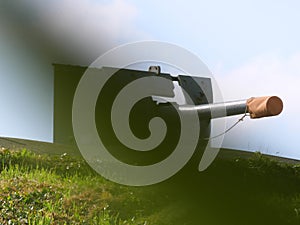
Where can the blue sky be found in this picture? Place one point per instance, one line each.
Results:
(251, 47)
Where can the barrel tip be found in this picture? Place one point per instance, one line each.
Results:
(259, 107)
(275, 105)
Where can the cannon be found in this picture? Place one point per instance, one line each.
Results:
(130, 126)
(135, 112)
(160, 101)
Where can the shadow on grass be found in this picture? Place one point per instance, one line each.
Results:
(232, 191)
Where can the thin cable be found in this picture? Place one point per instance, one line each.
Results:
(236, 123)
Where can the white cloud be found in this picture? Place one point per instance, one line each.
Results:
(83, 28)
(91, 20)
(264, 75)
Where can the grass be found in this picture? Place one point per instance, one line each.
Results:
(49, 189)
(43, 189)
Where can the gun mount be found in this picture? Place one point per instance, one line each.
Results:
(198, 98)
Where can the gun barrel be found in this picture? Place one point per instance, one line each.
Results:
(217, 110)
(257, 108)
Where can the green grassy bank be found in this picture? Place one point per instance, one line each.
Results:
(62, 189)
